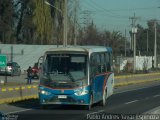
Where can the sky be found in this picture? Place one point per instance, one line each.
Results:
(114, 15)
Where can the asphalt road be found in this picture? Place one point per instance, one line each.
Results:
(126, 102)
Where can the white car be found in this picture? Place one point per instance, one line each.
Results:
(12, 68)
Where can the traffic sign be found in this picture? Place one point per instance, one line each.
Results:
(3, 60)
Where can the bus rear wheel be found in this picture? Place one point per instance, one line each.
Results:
(104, 98)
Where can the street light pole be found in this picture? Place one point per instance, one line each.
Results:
(47, 3)
(65, 20)
(134, 49)
(125, 44)
(134, 31)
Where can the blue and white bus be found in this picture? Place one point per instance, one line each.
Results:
(76, 76)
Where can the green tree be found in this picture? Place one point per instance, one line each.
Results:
(141, 38)
(43, 23)
(151, 32)
(6, 21)
(116, 41)
(23, 14)
(90, 35)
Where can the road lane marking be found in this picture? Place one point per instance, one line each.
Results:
(99, 111)
(131, 102)
(18, 111)
(156, 96)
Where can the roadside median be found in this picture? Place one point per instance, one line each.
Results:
(18, 93)
(136, 79)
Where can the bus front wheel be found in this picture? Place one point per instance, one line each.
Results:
(88, 107)
(44, 106)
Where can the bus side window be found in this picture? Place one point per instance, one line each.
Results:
(98, 64)
(94, 64)
(111, 62)
(92, 67)
(101, 67)
(103, 64)
(108, 65)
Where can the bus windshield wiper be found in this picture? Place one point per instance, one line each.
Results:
(71, 77)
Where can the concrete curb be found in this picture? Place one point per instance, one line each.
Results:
(18, 93)
(16, 99)
(139, 75)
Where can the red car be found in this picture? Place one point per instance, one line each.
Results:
(35, 71)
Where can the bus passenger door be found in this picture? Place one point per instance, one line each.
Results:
(94, 88)
(95, 77)
(96, 84)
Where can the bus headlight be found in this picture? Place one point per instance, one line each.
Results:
(81, 92)
(45, 92)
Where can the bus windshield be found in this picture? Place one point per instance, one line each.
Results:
(65, 68)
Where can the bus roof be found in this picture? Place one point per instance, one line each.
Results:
(89, 49)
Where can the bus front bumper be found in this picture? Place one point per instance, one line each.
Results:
(49, 97)
(64, 99)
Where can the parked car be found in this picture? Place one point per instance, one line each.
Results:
(35, 71)
(12, 68)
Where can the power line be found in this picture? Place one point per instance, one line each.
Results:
(109, 13)
(133, 9)
(86, 17)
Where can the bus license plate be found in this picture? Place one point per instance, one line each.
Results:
(62, 96)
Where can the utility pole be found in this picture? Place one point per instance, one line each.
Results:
(125, 42)
(134, 31)
(155, 45)
(11, 53)
(65, 24)
(132, 37)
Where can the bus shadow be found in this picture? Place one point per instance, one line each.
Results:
(34, 104)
